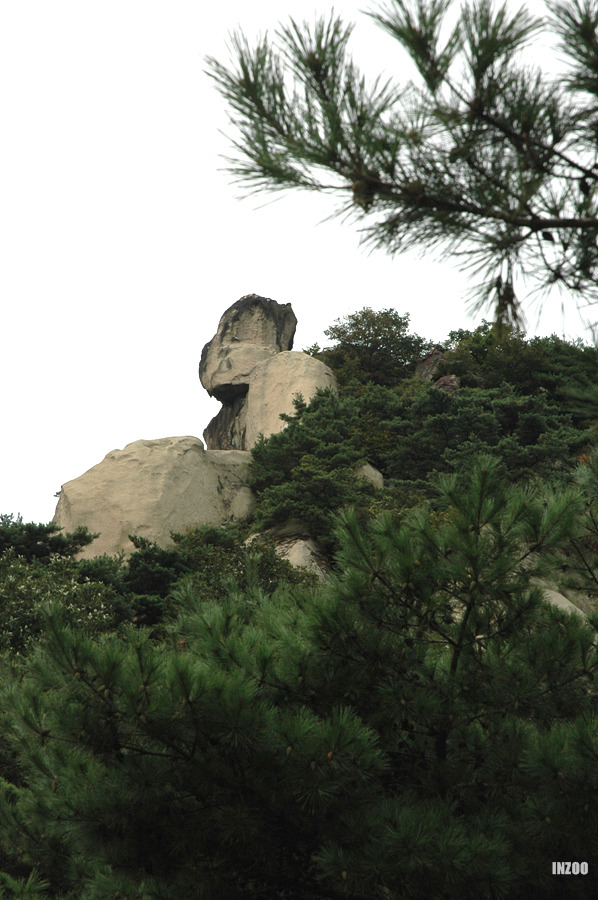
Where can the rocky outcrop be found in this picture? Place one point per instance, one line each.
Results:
(427, 366)
(250, 331)
(154, 488)
(248, 365)
(151, 488)
(293, 542)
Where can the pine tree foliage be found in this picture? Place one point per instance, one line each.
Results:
(308, 471)
(422, 725)
(487, 158)
(40, 542)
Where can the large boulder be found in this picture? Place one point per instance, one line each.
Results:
(151, 488)
(274, 385)
(250, 331)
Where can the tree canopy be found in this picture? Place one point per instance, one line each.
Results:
(488, 158)
(372, 346)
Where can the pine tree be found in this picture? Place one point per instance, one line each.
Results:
(423, 725)
(488, 157)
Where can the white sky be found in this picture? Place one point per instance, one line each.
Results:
(122, 243)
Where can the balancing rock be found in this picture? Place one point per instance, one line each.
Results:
(249, 366)
(250, 331)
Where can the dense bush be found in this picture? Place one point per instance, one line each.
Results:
(308, 470)
(487, 358)
(26, 589)
(40, 542)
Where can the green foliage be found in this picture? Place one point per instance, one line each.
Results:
(372, 346)
(489, 159)
(307, 471)
(204, 721)
(422, 725)
(580, 562)
(26, 588)
(207, 558)
(40, 542)
(409, 432)
(531, 435)
(218, 560)
(486, 358)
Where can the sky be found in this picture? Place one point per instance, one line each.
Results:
(122, 240)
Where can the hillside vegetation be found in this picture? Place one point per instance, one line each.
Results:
(203, 721)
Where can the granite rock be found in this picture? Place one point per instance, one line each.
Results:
(154, 487)
(250, 331)
(274, 385)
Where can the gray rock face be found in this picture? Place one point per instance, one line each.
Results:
(151, 488)
(252, 330)
(248, 365)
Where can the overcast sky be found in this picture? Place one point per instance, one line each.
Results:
(122, 243)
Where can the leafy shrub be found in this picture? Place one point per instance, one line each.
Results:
(26, 589)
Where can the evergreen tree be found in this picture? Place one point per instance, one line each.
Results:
(40, 542)
(485, 358)
(489, 157)
(372, 347)
(423, 725)
(308, 470)
(529, 435)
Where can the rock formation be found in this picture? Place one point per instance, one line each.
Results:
(248, 365)
(273, 386)
(250, 331)
(151, 488)
(428, 364)
(293, 542)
